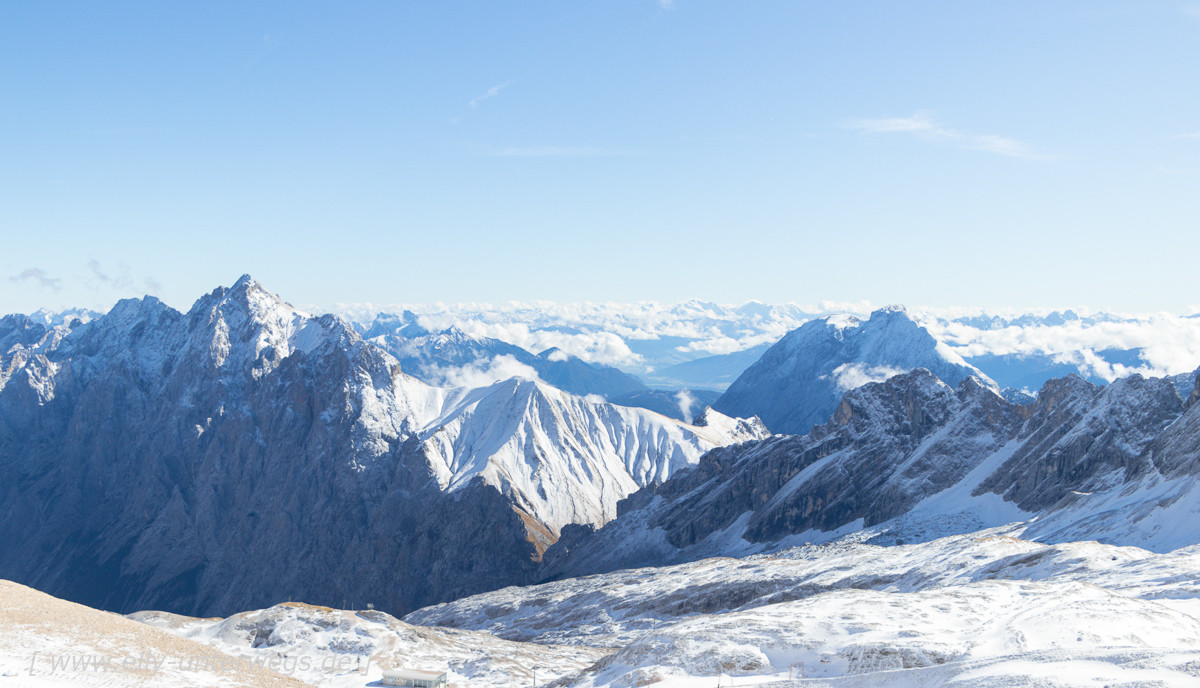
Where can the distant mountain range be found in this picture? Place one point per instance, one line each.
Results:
(441, 357)
(713, 343)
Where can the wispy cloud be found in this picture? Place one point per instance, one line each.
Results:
(122, 280)
(153, 286)
(490, 93)
(667, 4)
(39, 277)
(1193, 136)
(482, 373)
(555, 152)
(101, 277)
(923, 127)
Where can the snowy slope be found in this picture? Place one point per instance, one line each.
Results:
(997, 633)
(561, 458)
(983, 608)
(50, 643)
(334, 648)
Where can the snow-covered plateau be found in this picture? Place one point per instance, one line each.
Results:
(981, 609)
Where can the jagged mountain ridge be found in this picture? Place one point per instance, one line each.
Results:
(244, 452)
(799, 381)
(916, 459)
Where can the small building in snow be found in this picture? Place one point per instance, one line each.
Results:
(413, 678)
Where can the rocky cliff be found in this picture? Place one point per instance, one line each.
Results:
(244, 453)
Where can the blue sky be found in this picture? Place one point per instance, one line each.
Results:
(929, 153)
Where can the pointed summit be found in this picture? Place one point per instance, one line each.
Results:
(244, 282)
(554, 354)
(260, 304)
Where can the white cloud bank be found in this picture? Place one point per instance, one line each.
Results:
(482, 374)
(687, 403)
(850, 376)
(611, 333)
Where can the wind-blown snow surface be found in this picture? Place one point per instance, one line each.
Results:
(334, 648)
(50, 643)
(983, 609)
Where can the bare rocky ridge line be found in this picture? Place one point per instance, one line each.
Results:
(928, 460)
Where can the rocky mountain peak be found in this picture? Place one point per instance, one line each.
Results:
(1195, 395)
(916, 399)
(1062, 396)
(17, 329)
(799, 381)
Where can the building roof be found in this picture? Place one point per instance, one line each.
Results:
(413, 674)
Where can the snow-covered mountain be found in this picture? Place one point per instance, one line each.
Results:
(1116, 463)
(562, 459)
(703, 345)
(798, 382)
(65, 317)
(245, 452)
(452, 356)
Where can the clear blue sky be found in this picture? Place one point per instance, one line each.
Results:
(970, 153)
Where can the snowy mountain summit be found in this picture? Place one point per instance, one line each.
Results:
(798, 382)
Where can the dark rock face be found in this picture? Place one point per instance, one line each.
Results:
(229, 458)
(1079, 434)
(799, 381)
(847, 469)
(17, 329)
(890, 446)
(1175, 452)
